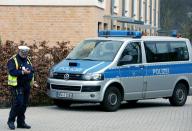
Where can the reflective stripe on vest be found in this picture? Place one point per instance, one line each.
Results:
(12, 80)
(29, 62)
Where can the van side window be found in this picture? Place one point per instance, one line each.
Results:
(157, 51)
(131, 54)
(179, 51)
(163, 51)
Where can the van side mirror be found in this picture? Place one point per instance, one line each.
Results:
(125, 60)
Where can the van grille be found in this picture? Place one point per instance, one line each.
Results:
(71, 76)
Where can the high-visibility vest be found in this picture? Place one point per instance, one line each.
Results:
(12, 80)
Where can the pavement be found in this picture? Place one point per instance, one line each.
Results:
(147, 115)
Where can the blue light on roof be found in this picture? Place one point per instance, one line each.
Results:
(174, 33)
(137, 34)
(119, 33)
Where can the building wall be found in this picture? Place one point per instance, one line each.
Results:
(97, 3)
(49, 23)
(133, 10)
(71, 20)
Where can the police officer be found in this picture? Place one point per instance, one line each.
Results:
(20, 78)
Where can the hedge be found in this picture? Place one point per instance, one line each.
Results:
(43, 57)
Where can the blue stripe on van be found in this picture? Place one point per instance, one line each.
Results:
(151, 70)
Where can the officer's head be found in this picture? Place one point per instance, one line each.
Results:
(23, 51)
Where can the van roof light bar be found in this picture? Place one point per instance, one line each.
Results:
(119, 33)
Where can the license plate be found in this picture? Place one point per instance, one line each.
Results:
(65, 95)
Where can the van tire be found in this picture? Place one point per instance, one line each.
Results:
(179, 96)
(62, 103)
(112, 99)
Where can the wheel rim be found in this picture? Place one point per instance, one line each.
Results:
(112, 99)
(180, 94)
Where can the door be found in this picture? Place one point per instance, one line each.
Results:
(165, 63)
(132, 71)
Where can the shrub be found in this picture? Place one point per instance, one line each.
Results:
(42, 58)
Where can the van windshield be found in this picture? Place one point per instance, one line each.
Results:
(96, 50)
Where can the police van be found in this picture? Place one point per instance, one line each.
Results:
(123, 66)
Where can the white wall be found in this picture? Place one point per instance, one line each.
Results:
(117, 6)
(135, 8)
(148, 11)
(142, 9)
(127, 8)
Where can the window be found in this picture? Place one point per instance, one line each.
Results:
(131, 54)
(99, 26)
(118, 27)
(105, 26)
(96, 50)
(114, 27)
(157, 51)
(179, 51)
(166, 51)
(162, 48)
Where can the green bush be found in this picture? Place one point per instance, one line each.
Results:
(42, 57)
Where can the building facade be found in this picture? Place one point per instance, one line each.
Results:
(74, 20)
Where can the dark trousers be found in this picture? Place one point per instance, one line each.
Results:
(19, 102)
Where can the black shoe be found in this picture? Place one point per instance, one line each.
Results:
(11, 125)
(24, 126)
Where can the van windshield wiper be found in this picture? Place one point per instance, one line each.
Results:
(89, 59)
(73, 59)
(81, 59)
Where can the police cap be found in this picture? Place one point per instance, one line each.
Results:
(23, 48)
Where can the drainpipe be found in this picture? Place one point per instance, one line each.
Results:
(123, 11)
(112, 12)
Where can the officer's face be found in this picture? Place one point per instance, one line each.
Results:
(23, 53)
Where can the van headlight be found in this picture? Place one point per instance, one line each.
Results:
(51, 74)
(93, 76)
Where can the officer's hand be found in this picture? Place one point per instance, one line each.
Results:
(26, 71)
(35, 84)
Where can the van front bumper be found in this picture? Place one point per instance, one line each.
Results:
(89, 91)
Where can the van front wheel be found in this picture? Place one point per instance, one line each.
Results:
(179, 96)
(112, 99)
